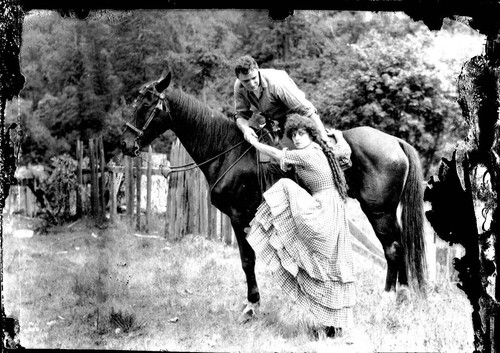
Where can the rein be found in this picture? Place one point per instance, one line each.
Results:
(192, 165)
(189, 166)
(166, 171)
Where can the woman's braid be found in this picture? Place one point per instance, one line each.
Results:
(338, 174)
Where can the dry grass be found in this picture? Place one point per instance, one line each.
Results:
(69, 289)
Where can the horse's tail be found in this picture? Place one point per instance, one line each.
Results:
(412, 218)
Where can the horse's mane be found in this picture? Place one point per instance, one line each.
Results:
(203, 124)
(210, 131)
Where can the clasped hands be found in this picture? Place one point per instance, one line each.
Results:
(251, 137)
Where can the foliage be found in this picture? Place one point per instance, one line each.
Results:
(390, 88)
(357, 68)
(53, 193)
(124, 321)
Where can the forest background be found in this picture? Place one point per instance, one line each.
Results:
(358, 68)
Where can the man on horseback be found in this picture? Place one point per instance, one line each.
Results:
(270, 94)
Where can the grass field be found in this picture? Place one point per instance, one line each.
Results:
(91, 287)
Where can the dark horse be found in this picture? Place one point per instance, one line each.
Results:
(385, 173)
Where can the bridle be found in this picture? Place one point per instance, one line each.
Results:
(162, 105)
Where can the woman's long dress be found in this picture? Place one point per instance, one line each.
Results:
(305, 241)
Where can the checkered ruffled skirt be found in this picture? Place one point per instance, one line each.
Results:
(305, 242)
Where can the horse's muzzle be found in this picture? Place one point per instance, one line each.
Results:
(131, 148)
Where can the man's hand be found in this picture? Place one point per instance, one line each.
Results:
(247, 131)
(327, 140)
(321, 128)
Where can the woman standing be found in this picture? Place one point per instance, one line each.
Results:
(303, 235)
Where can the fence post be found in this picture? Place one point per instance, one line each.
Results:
(138, 171)
(129, 182)
(202, 191)
(26, 200)
(194, 201)
(211, 218)
(96, 178)
(79, 193)
(93, 179)
(126, 161)
(103, 178)
(131, 190)
(177, 207)
(112, 193)
(170, 199)
(149, 173)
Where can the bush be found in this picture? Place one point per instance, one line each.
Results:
(53, 193)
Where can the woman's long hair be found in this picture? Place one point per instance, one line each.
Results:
(338, 174)
(295, 122)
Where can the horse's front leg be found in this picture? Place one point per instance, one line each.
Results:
(247, 256)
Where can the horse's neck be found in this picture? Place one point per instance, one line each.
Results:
(194, 127)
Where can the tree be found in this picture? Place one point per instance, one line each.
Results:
(390, 87)
(355, 67)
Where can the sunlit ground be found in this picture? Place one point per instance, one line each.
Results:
(64, 286)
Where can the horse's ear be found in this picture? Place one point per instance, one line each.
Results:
(164, 82)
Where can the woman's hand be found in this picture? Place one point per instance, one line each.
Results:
(327, 140)
(266, 149)
(249, 133)
(252, 139)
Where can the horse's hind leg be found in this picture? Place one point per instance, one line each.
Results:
(389, 233)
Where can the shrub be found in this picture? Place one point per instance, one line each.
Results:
(53, 193)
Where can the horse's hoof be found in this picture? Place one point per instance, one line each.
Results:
(249, 313)
(403, 295)
(246, 317)
(387, 297)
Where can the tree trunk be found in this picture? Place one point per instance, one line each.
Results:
(470, 182)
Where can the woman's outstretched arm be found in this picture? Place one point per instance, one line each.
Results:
(271, 151)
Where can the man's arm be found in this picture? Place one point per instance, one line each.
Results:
(243, 125)
(295, 99)
(321, 128)
(267, 150)
(242, 112)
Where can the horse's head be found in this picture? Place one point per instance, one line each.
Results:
(151, 117)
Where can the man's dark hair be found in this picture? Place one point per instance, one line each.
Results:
(244, 64)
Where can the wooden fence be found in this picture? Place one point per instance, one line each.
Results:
(99, 184)
(189, 210)
(107, 179)
(188, 206)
